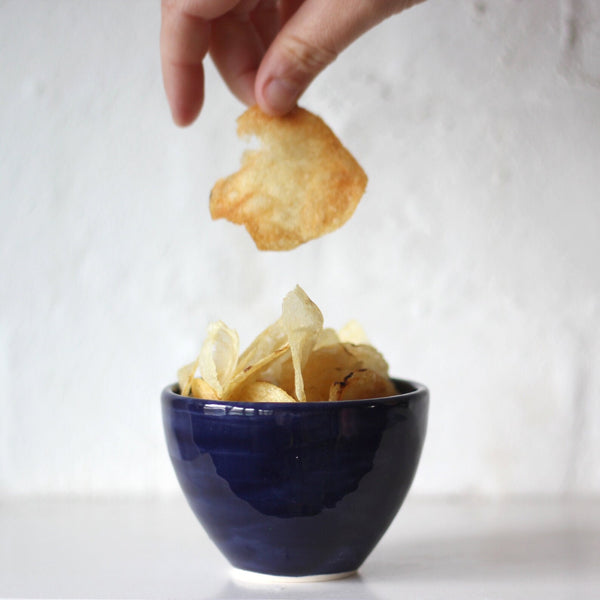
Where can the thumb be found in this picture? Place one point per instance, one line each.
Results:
(309, 41)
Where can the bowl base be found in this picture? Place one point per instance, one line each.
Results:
(252, 577)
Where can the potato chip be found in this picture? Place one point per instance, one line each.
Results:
(262, 391)
(219, 355)
(267, 342)
(324, 366)
(265, 370)
(368, 357)
(201, 389)
(359, 384)
(353, 333)
(328, 364)
(301, 184)
(185, 376)
(302, 321)
(327, 337)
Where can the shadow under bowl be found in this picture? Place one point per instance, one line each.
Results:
(301, 490)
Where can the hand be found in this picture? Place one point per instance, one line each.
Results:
(267, 51)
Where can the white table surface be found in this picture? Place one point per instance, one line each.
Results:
(434, 549)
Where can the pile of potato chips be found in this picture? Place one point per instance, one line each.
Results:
(293, 360)
(299, 185)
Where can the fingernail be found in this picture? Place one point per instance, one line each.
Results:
(281, 95)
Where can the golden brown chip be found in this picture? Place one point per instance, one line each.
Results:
(328, 364)
(263, 391)
(185, 376)
(368, 357)
(301, 184)
(361, 384)
(267, 342)
(201, 389)
(324, 366)
(266, 369)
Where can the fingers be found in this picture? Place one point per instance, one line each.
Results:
(203, 9)
(266, 20)
(237, 49)
(184, 40)
(287, 8)
(236, 41)
(310, 40)
(237, 32)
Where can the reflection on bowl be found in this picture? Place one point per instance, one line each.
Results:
(296, 489)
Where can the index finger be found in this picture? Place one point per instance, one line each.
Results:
(184, 41)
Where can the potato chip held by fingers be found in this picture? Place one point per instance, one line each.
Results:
(300, 184)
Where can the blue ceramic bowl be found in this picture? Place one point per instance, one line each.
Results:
(296, 489)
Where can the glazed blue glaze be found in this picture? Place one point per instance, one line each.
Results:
(296, 489)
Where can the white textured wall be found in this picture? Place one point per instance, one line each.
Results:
(473, 260)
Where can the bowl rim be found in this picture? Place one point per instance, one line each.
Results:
(419, 392)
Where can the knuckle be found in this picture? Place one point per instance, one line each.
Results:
(307, 58)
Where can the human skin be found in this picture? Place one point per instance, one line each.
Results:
(267, 51)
